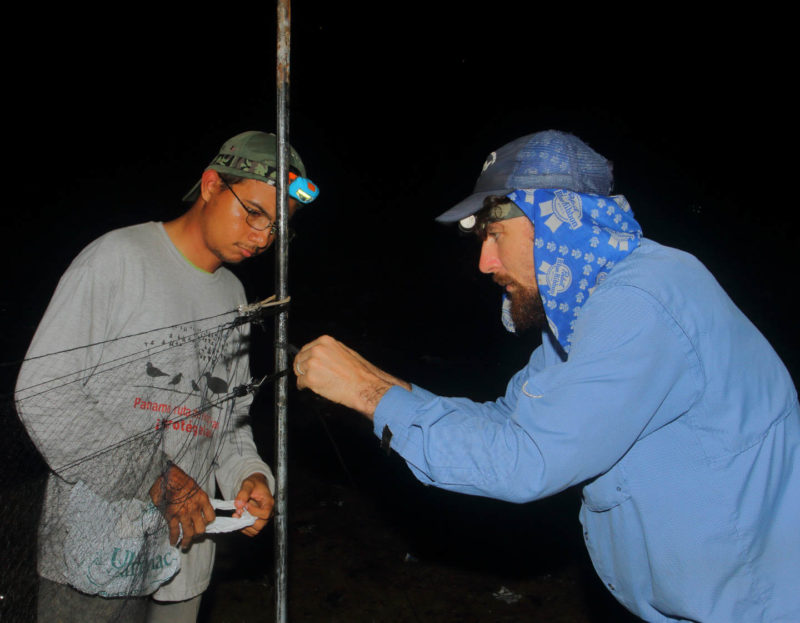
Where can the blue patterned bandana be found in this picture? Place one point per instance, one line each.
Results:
(578, 239)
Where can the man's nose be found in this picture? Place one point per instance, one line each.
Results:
(261, 238)
(489, 262)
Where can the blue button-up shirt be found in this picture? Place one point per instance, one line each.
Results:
(681, 420)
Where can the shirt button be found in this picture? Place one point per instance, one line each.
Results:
(611, 586)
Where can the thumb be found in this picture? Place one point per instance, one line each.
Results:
(244, 494)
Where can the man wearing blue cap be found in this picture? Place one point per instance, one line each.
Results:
(649, 386)
(135, 391)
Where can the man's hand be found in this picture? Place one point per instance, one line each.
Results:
(334, 371)
(183, 503)
(256, 497)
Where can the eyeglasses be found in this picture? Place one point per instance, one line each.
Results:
(255, 218)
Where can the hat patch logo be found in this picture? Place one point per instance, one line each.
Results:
(566, 207)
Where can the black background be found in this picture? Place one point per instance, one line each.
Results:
(394, 112)
(112, 117)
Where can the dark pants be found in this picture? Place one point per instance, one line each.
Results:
(59, 603)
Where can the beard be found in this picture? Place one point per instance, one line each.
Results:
(527, 309)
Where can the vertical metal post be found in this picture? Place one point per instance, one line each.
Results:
(282, 318)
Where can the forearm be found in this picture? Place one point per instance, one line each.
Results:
(461, 445)
(340, 374)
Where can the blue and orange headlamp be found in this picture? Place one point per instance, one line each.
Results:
(302, 188)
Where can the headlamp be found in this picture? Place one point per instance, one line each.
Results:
(467, 223)
(302, 188)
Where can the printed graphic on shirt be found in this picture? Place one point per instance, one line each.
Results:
(111, 418)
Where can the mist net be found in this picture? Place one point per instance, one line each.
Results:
(110, 425)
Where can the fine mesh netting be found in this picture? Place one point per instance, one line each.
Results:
(93, 438)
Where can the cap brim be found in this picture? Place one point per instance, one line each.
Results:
(468, 206)
(194, 193)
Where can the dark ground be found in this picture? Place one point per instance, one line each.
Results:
(394, 111)
(369, 543)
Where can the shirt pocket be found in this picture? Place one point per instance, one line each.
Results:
(606, 491)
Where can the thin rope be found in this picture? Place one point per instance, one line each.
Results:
(243, 309)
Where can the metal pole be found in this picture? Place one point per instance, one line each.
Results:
(282, 318)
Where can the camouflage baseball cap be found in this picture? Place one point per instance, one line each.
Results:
(253, 155)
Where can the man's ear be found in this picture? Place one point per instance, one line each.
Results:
(210, 183)
(293, 205)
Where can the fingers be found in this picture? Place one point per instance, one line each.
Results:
(338, 373)
(255, 528)
(190, 527)
(174, 531)
(302, 361)
(301, 356)
(321, 354)
(187, 507)
(261, 506)
(255, 496)
(206, 508)
(189, 522)
(181, 528)
(315, 365)
(240, 501)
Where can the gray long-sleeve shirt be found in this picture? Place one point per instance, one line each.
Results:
(133, 365)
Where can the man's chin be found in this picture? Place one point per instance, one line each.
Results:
(527, 310)
(239, 255)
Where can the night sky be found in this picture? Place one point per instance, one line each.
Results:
(394, 111)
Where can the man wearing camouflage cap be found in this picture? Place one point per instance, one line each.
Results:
(165, 282)
(650, 387)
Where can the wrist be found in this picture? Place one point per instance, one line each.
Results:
(370, 395)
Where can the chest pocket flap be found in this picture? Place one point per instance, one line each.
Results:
(606, 491)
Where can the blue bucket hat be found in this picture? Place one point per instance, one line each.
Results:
(548, 159)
